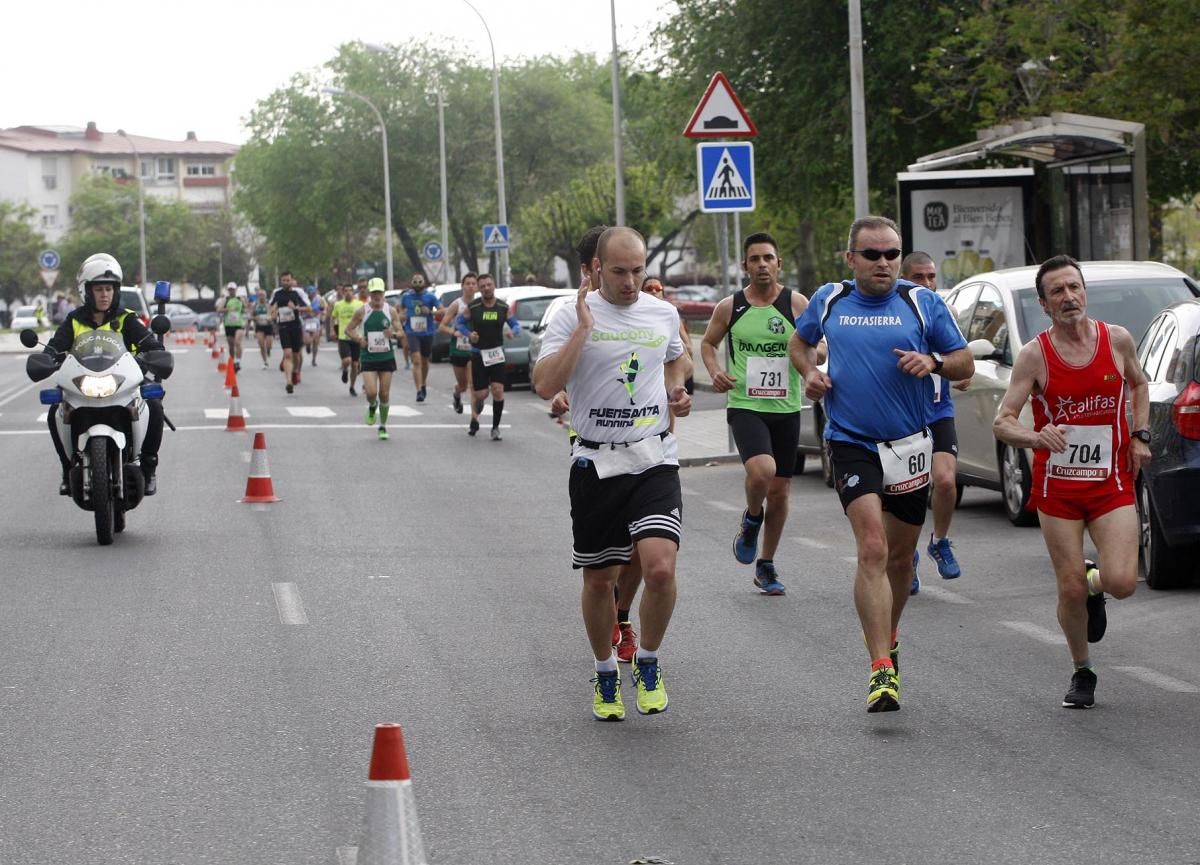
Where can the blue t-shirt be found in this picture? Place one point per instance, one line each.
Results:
(419, 304)
(872, 399)
(941, 405)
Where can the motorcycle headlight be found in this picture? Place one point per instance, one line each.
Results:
(97, 386)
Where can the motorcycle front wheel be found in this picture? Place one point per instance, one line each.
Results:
(102, 490)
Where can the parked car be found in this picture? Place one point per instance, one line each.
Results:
(528, 304)
(998, 312)
(210, 321)
(692, 301)
(1169, 353)
(446, 292)
(132, 298)
(26, 316)
(182, 316)
(537, 331)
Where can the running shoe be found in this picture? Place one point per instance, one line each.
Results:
(457, 404)
(1083, 690)
(383, 434)
(496, 435)
(288, 387)
(345, 375)
(266, 365)
(894, 654)
(767, 579)
(627, 645)
(370, 416)
(420, 394)
(1097, 616)
(606, 703)
(237, 366)
(745, 542)
(943, 554)
(296, 376)
(473, 427)
(916, 583)
(883, 692)
(353, 392)
(616, 634)
(651, 690)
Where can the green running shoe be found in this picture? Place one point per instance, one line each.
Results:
(370, 416)
(651, 691)
(383, 434)
(606, 703)
(883, 692)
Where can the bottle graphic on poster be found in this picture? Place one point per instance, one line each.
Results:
(986, 263)
(968, 260)
(948, 269)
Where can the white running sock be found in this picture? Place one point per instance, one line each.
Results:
(608, 666)
(646, 654)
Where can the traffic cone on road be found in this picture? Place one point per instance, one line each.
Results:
(221, 360)
(230, 374)
(215, 354)
(259, 489)
(236, 421)
(392, 833)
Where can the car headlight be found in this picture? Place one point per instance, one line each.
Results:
(97, 386)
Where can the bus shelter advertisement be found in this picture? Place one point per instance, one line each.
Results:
(969, 222)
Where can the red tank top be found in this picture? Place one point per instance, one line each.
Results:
(1090, 401)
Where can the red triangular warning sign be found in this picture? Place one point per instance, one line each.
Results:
(720, 113)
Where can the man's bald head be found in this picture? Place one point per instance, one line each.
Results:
(622, 234)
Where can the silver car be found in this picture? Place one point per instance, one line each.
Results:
(999, 313)
(528, 303)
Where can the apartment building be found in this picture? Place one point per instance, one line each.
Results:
(41, 165)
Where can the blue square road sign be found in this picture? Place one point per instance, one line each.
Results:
(495, 237)
(726, 173)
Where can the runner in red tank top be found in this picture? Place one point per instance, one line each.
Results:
(1079, 374)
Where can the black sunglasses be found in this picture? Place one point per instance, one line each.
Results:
(876, 254)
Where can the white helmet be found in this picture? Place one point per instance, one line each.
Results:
(100, 267)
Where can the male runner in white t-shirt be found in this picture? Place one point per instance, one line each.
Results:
(619, 356)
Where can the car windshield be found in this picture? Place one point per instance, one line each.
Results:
(24, 312)
(1130, 303)
(533, 309)
(98, 349)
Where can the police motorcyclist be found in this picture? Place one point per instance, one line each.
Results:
(99, 282)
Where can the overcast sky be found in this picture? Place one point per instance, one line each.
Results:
(161, 68)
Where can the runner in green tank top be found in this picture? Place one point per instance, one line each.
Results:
(373, 327)
(763, 398)
(234, 310)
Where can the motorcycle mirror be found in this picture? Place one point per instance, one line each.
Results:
(160, 324)
(40, 366)
(160, 363)
(29, 338)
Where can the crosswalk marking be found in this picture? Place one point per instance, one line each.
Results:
(311, 411)
(221, 413)
(404, 411)
(1039, 633)
(1159, 680)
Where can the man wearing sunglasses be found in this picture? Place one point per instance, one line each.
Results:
(885, 336)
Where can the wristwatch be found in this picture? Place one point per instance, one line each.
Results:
(937, 361)
(1142, 435)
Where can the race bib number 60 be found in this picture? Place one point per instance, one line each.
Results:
(906, 463)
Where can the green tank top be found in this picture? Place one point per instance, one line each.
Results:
(235, 312)
(375, 322)
(759, 362)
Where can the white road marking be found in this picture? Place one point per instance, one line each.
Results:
(851, 559)
(42, 417)
(179, 350)
(403, 411)
(311, 411)
(687, 491)
(809, 542)
(16, 393)
(379, 576)
(726, 506)
(257, 426)
(940, 594)
(1159, 680)
(1039, 633)
(222, 413)
(289, 605)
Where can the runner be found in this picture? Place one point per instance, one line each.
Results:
(314, 318)
(264, 328)
(762, 398)
(618, 354)
(884, 335)
(1079, 373)
(918, 268)
(460, 346)
(234, 309)
(483, 324)
(417, 306)
(348, 349)
(286, 306)
(373, 327)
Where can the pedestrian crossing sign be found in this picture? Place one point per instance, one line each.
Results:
(726, 172)
(495, 237)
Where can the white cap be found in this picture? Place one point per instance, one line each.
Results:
(231, 285)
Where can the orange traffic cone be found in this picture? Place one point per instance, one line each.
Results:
(393, 835)
(230, 374)
(259, 489)
(236, 421)
(215, 354)
(221, 360)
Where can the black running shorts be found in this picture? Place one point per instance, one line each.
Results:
(608, 516)
(776, 434)
(858, 472)
(348, 348)
(291, 336)
(420, 343)
(945, 438)
(482, 376)
(388, 365)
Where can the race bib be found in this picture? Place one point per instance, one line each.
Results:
(1088, 456)
(286, 314)
(628, 459)
(311, 325)
(462, 343)
(418, 323)
(262, 319)
(492, 356)
(767, 377)
(906, 463)
(377, 341)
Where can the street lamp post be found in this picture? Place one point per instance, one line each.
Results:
(141, 211)
(618, 149)
(220, 265)
(387, 185)
(441, 106)
(504, 274)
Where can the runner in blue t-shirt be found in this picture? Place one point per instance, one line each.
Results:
(884, 336)
(416, 309)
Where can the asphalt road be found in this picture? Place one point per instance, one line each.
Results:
(159, 705)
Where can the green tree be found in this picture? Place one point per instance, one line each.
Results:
(20, 275)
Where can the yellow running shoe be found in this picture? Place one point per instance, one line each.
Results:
(883, 694)
(606, 704)
(651, 690)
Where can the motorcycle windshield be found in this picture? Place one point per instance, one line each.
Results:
(97, 350)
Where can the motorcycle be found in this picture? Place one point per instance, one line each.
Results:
(101, 389)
